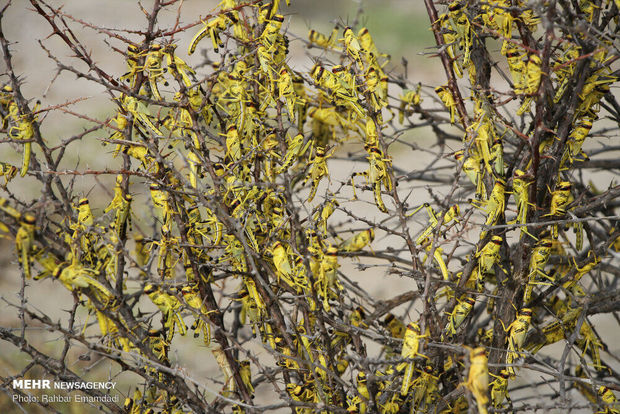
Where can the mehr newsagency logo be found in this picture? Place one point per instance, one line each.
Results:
(44, 384)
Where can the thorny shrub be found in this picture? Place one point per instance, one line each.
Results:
(255, 236)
